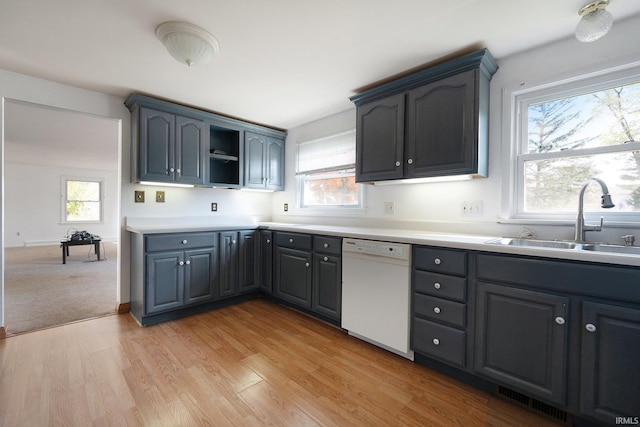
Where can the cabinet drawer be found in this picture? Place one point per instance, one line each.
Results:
(294, 241)
(442, 342)
(173, 241)
(327, 245)
(441, 260)
(440, 285)
(440, 310)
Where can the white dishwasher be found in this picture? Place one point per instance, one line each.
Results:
(376, 294)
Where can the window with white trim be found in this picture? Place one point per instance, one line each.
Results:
(326, 172)
(82, 200)
(569, 133)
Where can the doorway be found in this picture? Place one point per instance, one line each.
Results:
(44, 149)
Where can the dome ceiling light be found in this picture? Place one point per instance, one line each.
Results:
(187, 43)
(595, 22)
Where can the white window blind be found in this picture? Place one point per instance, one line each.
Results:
(330, 153)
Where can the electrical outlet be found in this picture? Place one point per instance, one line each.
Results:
(471, 208)
(139, 196)
(160, 196)
(389, 208)
(286, 207)
(214, 207)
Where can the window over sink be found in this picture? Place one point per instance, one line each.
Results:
(565, 133)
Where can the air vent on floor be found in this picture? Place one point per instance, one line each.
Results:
(535, 405)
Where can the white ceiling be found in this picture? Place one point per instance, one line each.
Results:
(281, 63)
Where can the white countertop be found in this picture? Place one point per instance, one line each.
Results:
(416, 237)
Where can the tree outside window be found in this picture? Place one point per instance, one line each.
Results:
(83, 201)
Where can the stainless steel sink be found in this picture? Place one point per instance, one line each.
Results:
(618, 249)
(557, 244)
(561, 244)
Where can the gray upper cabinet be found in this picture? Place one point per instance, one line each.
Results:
(172, 143)
(264, 162)
(430, 123)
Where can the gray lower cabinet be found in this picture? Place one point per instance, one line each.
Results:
(521, 340)
(308, 272)
(238, 263)
(249, 261)
(610, 372)
(228, 264)
(266, 261)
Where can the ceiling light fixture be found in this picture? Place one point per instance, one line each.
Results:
(595, 22)
(188, 43)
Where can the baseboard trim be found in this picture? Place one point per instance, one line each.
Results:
(3, 332)
(123, 307)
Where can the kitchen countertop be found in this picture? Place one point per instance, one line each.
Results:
(416, 237)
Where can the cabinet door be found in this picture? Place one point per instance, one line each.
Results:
(156, 145)
(441, 127)
(610, 372)
(254, 168)
(521, 340)
(249, 279)
(274, 164)
(190, 149)
(327, 285)
(380, 139)
(200, 278)
(165, 281)
(228, 264)
(293, 276)
(266, 261)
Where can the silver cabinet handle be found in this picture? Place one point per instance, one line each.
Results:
(397, 163)
(410, 161)
(268, 240)
(326, 245)
(437, 261)
(590, 327)
(178, 170)
(307, 264)
(290, 240)
(326, 259)
(184, 242)
(436, 341)
(171, 170)
(437, 285)
(181, 263)
(436, 310)
(188, 262)
(559, 320)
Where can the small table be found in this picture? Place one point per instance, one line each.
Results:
(66, 243)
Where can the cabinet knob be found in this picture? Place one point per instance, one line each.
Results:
(437, 285)
(559, 320)
(188, 262)
(436, 310)
(307, 264)
(398, 163)
(437, 261)
(590, 327)
(326, 259)
(233, 242)
(290, 240)
(410, 161)
(184, 242)
(181, 263)
(178, 170)
(436, 341)
(171, 170)
(326, 245)
(268, 240)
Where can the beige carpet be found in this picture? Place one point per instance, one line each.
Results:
(41, 292)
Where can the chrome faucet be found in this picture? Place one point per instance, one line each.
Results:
(606, 203)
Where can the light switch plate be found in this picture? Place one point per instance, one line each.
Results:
(139, 196)
(160, 196)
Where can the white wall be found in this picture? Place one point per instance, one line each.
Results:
(33, 204)
(437, 206)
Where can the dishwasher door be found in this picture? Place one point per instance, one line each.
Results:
(376, 303)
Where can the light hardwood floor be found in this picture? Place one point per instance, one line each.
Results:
(253, 364)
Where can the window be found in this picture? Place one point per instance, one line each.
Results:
(569, 133)
(326, 172)
(82, 200)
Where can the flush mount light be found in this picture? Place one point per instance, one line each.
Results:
(187, 43)
(595, 22)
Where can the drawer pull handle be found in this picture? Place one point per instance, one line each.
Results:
(436, 310)
(290, 240)
(184, 242)
(590, 327)
(436, 341)
(326, 259)
(326, 245)
(437, 261)
(437, 285)
(560, 320)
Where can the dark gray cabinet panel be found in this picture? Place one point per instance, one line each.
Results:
(190, 149)
(156, 145)
(264, 162)
(274, 163)
(439, 341)
(165, 282)
(327, 285)
(266, 261)
(228, 264)
(380, 139)
(521, 340)
(610, 372)
(249, 256)
(293, 276)
(200, 276)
